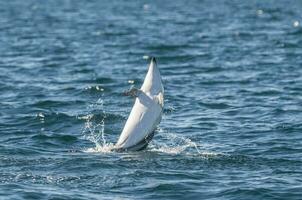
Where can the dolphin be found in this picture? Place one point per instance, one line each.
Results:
(146, 113)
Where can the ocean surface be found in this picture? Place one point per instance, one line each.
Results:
(232, 122)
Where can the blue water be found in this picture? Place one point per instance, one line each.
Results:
(232, 123)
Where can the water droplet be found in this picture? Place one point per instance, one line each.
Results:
(296, 23)
(259, 12)
(131, 81)
(99, 88)
(146, 6)
(88, 88)
(40, 115)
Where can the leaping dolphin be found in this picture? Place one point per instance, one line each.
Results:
(146, 113)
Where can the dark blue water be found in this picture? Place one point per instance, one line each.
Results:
(232, 124)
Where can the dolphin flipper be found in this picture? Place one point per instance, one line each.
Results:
(133, 92)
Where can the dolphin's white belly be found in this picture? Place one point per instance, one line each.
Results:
(145, 114)
(143, 119)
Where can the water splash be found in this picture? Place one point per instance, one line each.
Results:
(106, 148)
(94, 131)
(174, 144)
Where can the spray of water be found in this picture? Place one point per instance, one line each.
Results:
(172, 143)
(94, 131)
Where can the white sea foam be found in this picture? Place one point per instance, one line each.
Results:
(174, 144)
(105, 148)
